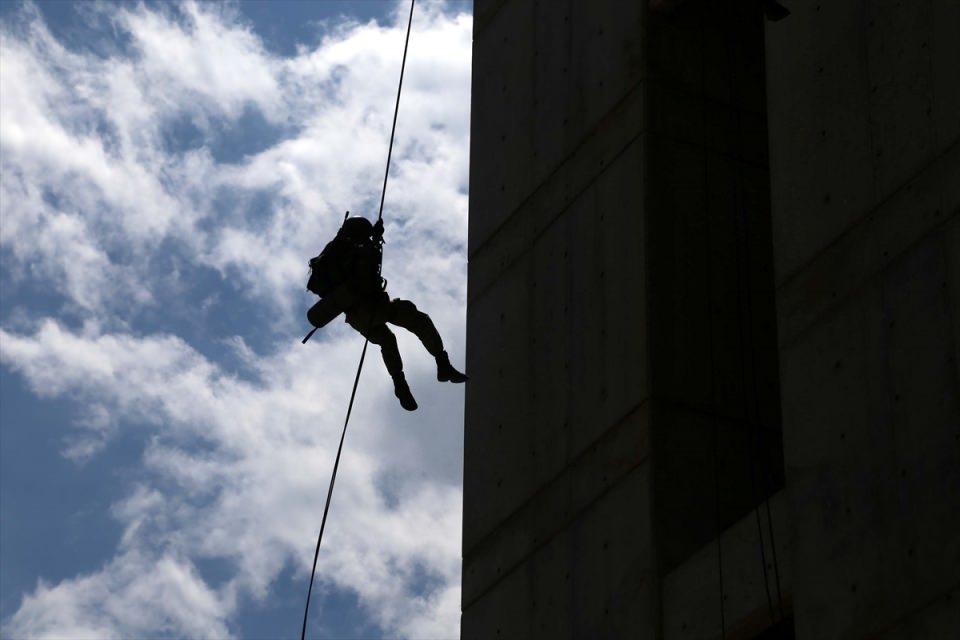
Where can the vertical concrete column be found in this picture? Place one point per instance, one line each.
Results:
(557, 527)
(620, 316)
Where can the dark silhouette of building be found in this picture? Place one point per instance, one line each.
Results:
(713, 321)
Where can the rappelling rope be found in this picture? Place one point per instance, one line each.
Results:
(718, 521)
(363, 354)
(744, 297)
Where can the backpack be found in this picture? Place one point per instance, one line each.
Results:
(342, 260)
(326, 270)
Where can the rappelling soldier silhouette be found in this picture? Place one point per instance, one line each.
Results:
(346, 276)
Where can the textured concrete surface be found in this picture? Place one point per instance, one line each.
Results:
(713, 259)
(691, 592)
(865, 174)
(557, 483)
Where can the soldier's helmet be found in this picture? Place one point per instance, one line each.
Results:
(356, 229)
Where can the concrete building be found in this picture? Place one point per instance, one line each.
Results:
(713, 321)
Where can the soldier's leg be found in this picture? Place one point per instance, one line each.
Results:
(404, 313)
(380, 335)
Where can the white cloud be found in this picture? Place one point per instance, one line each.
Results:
(133, 596)
(249, 494)
(82, 136)
(92, 194)
(206, 60)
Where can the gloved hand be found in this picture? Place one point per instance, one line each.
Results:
(378, 229)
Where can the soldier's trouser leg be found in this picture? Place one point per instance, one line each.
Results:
(404, 313)
(380, 335)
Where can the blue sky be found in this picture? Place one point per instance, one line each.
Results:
(166, 170)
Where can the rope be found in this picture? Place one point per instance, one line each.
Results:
(764, 463)
(396, 110)
(718, 525)
(363, 354)
(716, 506)
(745, 299)
(333, 479)
(744, 304)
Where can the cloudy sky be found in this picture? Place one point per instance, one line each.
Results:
(166, 171)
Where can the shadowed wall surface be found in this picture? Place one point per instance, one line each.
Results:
(865, 168)
(668, 324)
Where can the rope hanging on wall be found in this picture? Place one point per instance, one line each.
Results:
(363, 354)
(745, 299)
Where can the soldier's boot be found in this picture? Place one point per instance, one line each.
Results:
(402, 390)
(446, 372)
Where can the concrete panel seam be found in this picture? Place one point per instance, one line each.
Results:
(789, 294)
(560, 529)
(916, 610)
(518, 256)
(797, 334)
(792, 277)
(644, 130)
(481, 22)
(587, 450)
(588, 137)
(748, 610)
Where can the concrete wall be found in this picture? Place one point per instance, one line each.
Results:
(626, 284)
(557, 529)
(864, 116)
